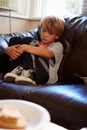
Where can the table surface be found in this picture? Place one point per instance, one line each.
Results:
(52, 126)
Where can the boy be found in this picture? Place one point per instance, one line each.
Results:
(38, 62)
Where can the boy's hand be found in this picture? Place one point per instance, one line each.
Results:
(13, 52)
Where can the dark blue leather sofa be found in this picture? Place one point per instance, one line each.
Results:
(66, 100)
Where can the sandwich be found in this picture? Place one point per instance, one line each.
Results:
(11, 119)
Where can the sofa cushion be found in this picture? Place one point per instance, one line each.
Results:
(13, 91)
(66, 103)
(75, 61)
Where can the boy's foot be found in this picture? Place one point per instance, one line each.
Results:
(10, 77)
(26, 77)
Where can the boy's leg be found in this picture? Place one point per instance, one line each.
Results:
(25, 60)
(27, 75)
(41, 73)
(19, 40)
(14, 41)
(18, 68)
(13, 64)
(19, 61)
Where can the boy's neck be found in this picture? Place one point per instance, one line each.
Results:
(41, 44)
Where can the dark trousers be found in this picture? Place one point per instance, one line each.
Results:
(41, 76)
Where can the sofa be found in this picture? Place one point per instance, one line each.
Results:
(66, 100)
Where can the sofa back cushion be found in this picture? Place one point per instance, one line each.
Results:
(75, 60)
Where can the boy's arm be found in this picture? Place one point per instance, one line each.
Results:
(36, 51)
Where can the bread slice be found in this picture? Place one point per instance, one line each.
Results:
(11, 119)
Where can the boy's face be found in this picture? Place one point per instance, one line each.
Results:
(47, 37)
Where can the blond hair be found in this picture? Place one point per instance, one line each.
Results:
(53, 25)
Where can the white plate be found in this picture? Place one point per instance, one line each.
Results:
(36, 115)
(52, 126)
